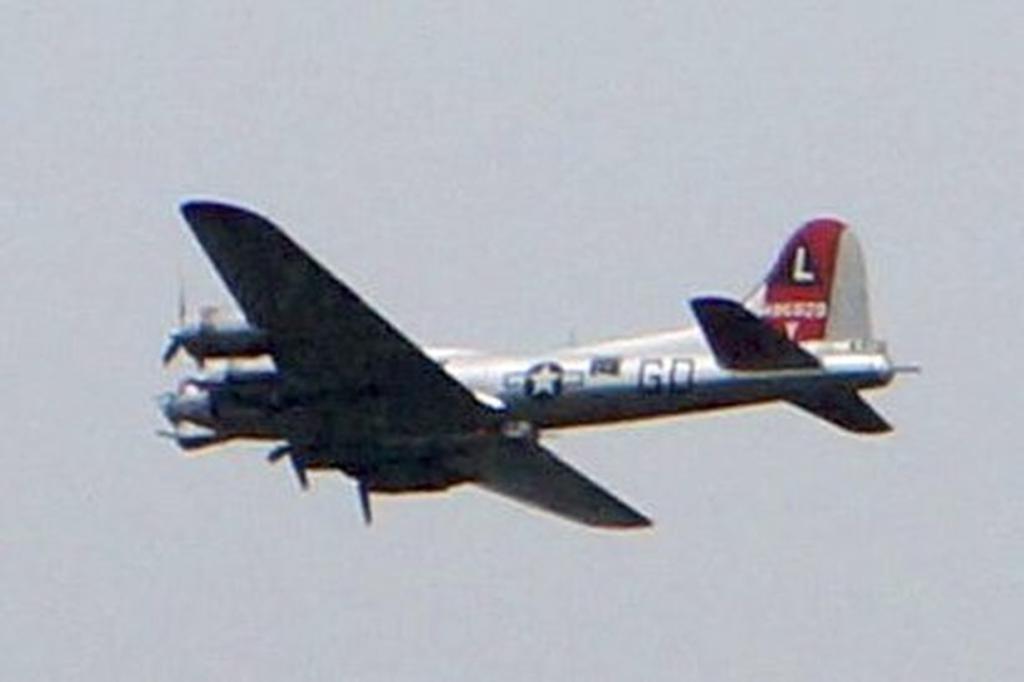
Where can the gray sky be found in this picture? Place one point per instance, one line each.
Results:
(503, 177)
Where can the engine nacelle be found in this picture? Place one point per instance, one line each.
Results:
(224, 340)
(214, 337)
(233, 402)
(191, 404)
(243, 394)
(235, 376)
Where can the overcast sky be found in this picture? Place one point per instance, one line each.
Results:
(505, 175)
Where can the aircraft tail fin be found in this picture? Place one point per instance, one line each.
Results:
(817, 288)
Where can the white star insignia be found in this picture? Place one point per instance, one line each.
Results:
(545, 380)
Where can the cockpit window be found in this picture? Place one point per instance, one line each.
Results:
(605, 365)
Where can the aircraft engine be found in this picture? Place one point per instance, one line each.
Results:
(191, 403)
(213, 337)
(243, 400)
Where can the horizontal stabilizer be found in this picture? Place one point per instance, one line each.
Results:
(527, 472)
(843, 407)
(741, 341)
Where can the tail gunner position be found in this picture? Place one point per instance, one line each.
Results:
(336, 386)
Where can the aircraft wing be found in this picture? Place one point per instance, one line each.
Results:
(365, 379)
(365, 376)
(526, 471)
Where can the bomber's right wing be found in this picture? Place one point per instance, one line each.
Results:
(528, 472)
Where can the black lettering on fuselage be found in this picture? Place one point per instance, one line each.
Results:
(681, 376)
(651, 376)
(660, 375)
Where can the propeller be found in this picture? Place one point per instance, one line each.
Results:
(172, 350)
(176, 342)
(364, 502)
(190, 442)
(182, 308)
(299, 466)
(165, 401)
(298, 463)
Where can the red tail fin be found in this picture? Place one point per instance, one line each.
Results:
(797, 296)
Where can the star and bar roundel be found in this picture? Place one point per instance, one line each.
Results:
(544, 380)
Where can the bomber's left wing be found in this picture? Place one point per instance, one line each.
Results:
(364, 375)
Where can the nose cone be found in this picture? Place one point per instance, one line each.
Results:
(192, 406)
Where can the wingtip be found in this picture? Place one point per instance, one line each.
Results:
(624, 519)
(881, 429)
(707, 308)
(704, 301)
(192, 208)
(639, 523)
(200, 209)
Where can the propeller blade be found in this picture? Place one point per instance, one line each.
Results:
(298, 463)
(364, 503)
(188, 443)
(175, 344)
(182, 306)
(277, 453)
(165, 401)
(299, 466)
(172, 350)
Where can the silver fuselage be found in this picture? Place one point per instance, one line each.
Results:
(643, 377)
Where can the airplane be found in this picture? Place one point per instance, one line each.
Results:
(314, 368)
